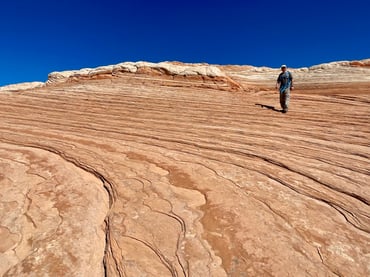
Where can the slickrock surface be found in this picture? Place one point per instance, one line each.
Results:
(153, 172)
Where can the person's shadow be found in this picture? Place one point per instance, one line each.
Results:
(269, 107)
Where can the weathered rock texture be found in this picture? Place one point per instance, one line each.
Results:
(22, 86)
(151, 172)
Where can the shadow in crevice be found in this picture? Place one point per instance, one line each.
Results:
(269, 107)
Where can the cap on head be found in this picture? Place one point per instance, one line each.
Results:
(283, 66)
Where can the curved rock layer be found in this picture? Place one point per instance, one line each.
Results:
(142, 175)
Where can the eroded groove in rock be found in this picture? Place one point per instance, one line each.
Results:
(195, 178)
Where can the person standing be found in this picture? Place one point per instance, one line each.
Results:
(285, 83)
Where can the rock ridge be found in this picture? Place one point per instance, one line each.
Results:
(22, 86)
(167, 68)
(203, 71)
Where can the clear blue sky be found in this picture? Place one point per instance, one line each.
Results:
(41, 36)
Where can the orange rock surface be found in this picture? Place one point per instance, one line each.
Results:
(155, 174)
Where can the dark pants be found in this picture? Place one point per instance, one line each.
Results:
(284, 99)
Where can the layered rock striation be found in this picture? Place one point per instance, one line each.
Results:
(193, 72)
(173, 169)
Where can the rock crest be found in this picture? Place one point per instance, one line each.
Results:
(165, 68)
(22, 86)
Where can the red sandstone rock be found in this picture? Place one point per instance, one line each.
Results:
(131, 174)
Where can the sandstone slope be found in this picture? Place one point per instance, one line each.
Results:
(173, 169)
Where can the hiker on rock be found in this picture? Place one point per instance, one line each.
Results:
(285, 80)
